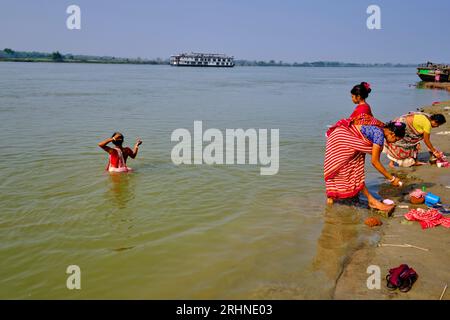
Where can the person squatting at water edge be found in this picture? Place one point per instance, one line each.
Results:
(347, 143)
(418, 128)
(118, 155)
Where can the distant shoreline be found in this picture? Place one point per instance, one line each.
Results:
(245, 64)
(9, 55)
(78, 61)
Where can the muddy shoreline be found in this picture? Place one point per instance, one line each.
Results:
(434, 85)
(432, 264)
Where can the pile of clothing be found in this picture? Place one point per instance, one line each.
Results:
(428, 218)
(442, 161)
(418, 193)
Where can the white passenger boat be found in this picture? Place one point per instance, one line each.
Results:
(202, 60)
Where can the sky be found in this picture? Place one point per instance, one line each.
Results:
(412, 31)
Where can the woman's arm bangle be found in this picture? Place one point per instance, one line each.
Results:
(393, 179)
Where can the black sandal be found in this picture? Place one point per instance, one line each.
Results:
(390, 286)
(407, 284)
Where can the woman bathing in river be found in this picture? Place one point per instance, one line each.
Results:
(118, 155)
(347, 143)
(418, 128)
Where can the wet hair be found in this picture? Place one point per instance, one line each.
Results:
(116, 142)
(362, 90)
(439, 118)
(398, 128)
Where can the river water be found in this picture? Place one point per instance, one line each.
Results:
(167, 231)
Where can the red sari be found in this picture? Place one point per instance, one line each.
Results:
(118, 160)
(362, 109)
(345, 157)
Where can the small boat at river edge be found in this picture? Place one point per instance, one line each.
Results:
(431, 72)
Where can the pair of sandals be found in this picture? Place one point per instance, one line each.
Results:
(402, 278)
(404, 287)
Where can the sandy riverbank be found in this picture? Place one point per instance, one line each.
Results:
(433, 265)
(434, 85)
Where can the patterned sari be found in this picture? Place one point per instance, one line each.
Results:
(405, 151)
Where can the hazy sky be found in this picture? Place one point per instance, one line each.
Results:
(412, 31)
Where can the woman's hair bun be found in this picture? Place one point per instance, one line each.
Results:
(363, 89)
(366, 86)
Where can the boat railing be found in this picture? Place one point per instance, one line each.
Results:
(435, 66)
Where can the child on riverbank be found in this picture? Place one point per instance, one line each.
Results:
(118, 155)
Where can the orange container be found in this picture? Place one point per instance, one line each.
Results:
(415, 200)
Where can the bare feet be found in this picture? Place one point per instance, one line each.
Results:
(418, 163)
(330, 201)
(374, 204)
(391, 164)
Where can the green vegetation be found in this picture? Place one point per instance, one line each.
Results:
(25, 56)
(57, 57)
(8, 54)
(272, 63)
(9, 51)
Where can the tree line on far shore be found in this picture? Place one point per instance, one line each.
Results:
(32, 56)
(273, 63)
(8, 54)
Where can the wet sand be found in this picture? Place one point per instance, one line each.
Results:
(432, 266)
(435, 85)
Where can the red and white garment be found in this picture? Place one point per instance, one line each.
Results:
(428, 218)
(117, 162)
(344, 161)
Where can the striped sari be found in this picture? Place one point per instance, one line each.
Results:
(345, 158)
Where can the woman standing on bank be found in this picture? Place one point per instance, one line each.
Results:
(360, 93)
